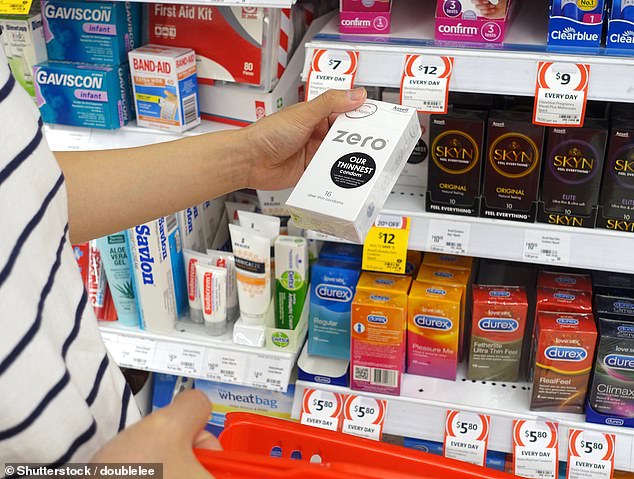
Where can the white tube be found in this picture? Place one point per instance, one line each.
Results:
(232, 208)
(192, 258)
(263, 225)
(222, 259)
(212, 287)
(252, 254)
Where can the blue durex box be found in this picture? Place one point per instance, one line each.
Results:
(90, 31)
(576, 23)
(621, 27)
(333, 285)
(95, 96)
(341, 252)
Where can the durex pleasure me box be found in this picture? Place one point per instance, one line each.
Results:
(468, 21)
(356, 166)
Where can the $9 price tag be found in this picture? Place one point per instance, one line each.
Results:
(466, 436)
(385, 247)
(590, 454)
(331, 69)
(364, 416)
(535, 449)
(322, 409)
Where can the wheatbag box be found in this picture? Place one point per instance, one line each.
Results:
(94, 96)
(332, 288)
(620, 34)
(576, 24)
(91, 32)
(463, 21)
(353, 171)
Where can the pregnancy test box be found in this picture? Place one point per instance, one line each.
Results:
(355, 168)
(465, 21)
(364, 16)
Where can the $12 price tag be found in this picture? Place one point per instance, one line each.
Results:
(364, 417)
(385, 246)
(15, 7)
(425, 83)
(535, 449)
(322, 409)
(466, 436)
(590, 454)
(331, 69)
(561, 94)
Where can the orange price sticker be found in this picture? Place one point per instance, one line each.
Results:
(590, 454)
(466, 436)
(535, 452)
(322, 409)
(364, 416)
(331, 69)
(425, 82)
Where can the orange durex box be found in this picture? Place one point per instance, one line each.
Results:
(395, 283)
(378, 331)
(448, 261)
(414, 259)
(433, 329)
(563, 358)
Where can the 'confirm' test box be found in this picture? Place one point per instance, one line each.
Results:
(353, 171)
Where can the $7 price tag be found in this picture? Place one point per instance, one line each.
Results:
(590, 454)
(466, 436)
(322, 409)
(535, 453)
(364, 416)
(331, 69)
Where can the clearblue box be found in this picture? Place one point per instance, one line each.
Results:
(576, 23)
(95, 96)
(621, 26)
(333, 285)
(91, 32)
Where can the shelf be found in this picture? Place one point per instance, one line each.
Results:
(509, 70)
(189, 351)
(420, 412)
(69, 138)
(232, 3)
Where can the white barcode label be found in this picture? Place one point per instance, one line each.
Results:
(361, 373)
(384, 377)
(190, 109)
(171, 223)
(450, 237)
(546, 247)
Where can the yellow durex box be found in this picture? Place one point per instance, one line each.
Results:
(458, 278)
(413, 262)
(394, 283)
(433, 329)
(378, 332)
(449, 261)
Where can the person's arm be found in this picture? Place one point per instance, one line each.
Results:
(111, 190)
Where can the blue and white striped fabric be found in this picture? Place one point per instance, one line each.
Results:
(61, 397)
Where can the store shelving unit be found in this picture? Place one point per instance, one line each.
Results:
(232, 3)
(420, 411)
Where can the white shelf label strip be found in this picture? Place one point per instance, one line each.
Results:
(450, 237)
(546, 247)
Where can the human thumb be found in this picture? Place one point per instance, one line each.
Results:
(329, 102)
(188, 413)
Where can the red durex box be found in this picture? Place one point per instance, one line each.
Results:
(569, 281)
(563, 301)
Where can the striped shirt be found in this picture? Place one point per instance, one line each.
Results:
(61, 397)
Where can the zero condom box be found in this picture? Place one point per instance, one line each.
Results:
(354, 169)
(621, 27)
(165, 87)
(576, 23)
(462, 21)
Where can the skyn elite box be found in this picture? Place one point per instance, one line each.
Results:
(467, 21)
(455, 166)
(576, 23)
(512, 167)
(621, 27)
(91, 32)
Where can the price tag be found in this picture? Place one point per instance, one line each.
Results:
(466, 436)
(535, 453)
(15, 7)
(269, 372)
(590, 454)
(364, 417)
(451, 237)
(135, 352)
(546, 247)
(322, 409)
(385, 247)
(226, 366)
(425, 82)
(181, 359)
(561, 94)
(331, 69)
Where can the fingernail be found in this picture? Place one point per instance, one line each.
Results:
(356, 94)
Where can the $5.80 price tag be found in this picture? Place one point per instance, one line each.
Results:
(590, 454)
(322, 409)
(385, 246)
(364, 417)
(331, 69)
(466, 436)
(535, 449)
(15, 7)
(425, 83)
(561, 94)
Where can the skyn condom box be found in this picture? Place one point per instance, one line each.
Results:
(576, 23)
(572, 175)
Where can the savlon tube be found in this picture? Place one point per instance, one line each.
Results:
(252, 254)
(232, 208)
(263, 225)
(192, 258)
(212, 288)
(222, 259)
(291, 280)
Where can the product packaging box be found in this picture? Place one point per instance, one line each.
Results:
(512, 167)
(467, 21)
(576, 24)
(568, 281)
(352, 173)
(94, 96)
(617, 187)
(620, 34)
(291, 280)
(364, 16)
(455, 166)
(564, 351)
(572, 174)
(448, 261)
(379, 326)
(165, 87)
(563, 301)
(24, 45)
(190, 225)
(497, 332)
(333, 284)
(322, 370)
(392, 283)
(613, 284)
(413, 262)
(433, 330)
(341, 252)
(233, 44)
(614, 307)
(91, 32)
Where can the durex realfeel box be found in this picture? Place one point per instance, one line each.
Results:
(353, 171)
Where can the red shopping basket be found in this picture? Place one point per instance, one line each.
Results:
(249, 440)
